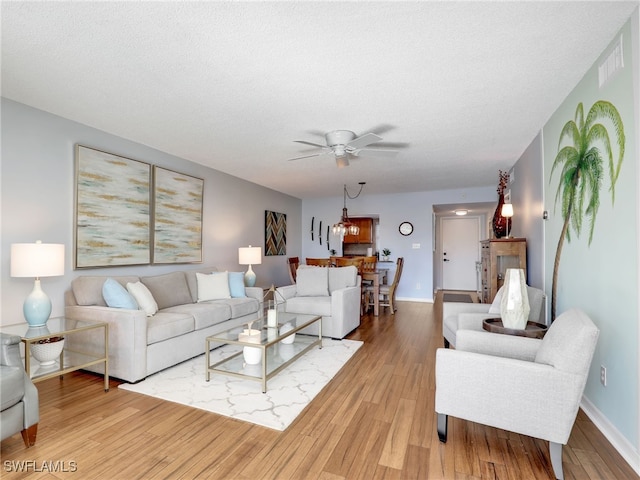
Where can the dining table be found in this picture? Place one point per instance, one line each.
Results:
(378, 277)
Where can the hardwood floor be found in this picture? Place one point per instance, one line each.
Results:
(375, 419)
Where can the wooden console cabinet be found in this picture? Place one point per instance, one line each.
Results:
(497, 255)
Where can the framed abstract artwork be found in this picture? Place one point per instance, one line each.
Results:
(275, 233)
(112, 210)
(177, 217)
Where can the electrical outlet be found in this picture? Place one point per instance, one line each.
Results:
(603, 375)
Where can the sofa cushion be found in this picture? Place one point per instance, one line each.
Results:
(204, 314)
(342, 277)
(312, 282)
(165, 325)
(236, 285)
(213, 286)
(87, 289)
(190, 275)
(169, 289)
(241, 306)
(143, 297)
(117, 296)
(310, 305)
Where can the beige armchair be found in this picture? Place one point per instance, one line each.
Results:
(529, 386)
(469, 316)
(18, 396)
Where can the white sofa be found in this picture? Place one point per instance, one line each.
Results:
(334, 293)
(140, 345)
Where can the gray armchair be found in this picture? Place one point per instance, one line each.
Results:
(469, 316)
(529, 386)
(18, 396)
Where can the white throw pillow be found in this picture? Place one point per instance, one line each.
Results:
(213, 286)
(495, 306)
(144, 298)
(312, 282)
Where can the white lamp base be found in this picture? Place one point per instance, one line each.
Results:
(250, 278)
(37, 306)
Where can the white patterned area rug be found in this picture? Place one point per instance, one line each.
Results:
(288, 392)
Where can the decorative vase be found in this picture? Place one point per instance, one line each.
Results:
(499, 223)
(252, 355)
(284, 329)
(48, 351)
(514, 306)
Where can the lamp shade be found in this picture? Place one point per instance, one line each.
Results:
(507, 210)
(250, 255)
(37, 259)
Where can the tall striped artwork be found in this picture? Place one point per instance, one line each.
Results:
(177, 219)
(112, 210)
(275, 233)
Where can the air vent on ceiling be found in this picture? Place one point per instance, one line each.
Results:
(612, 64)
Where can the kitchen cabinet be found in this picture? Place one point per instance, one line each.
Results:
(497, 255)
(366, 231)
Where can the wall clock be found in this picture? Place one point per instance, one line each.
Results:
(406, 228)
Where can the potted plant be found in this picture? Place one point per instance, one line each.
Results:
(385, 254)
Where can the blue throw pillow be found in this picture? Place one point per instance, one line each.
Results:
(236, 284)
(116, 296)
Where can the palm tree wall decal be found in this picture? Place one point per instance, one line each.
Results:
(582, 172)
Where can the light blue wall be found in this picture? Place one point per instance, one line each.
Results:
(38, 203)
(602, 278)
(526, 189)
(392, 210)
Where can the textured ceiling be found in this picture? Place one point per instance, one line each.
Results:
(467, 85)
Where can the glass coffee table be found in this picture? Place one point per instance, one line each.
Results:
(277, 347)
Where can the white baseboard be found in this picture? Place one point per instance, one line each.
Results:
(619, 442)
(407, 299)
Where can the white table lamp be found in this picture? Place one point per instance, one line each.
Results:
(250, 256)
(507, 212)
(37, 260)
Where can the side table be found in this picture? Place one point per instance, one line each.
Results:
(70, 360)
(533, 329)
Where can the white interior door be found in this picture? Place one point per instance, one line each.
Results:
(460, 251)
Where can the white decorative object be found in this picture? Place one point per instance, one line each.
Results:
(47, 353)
(252, 355)
(287, 327)
(514, 307)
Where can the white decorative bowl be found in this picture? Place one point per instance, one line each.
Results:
(47, 353)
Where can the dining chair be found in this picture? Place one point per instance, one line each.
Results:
(388, 292)
(293, 263)
(320, 262)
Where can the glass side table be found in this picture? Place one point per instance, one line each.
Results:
(71, 359)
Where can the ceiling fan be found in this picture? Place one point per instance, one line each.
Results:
(344, 144)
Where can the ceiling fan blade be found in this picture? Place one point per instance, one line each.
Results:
(381, 129)
(364, 140)
(310, 143)
(369, 152)
(392, 144)
(306, 156)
